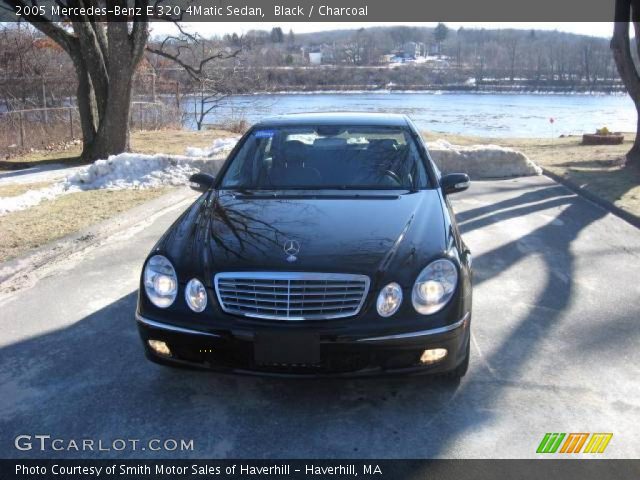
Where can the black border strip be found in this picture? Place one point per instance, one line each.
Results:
(348, 10)
(550, 469)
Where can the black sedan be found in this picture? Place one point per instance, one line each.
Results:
(326, 245)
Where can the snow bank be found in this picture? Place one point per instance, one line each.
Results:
(220, 146)
(132, 170)
(129, 171)
(482, 161)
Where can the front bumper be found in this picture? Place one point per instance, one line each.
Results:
(233, 351)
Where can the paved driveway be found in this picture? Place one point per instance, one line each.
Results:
(555, 349)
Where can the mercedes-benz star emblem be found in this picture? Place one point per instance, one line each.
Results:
(291, 248)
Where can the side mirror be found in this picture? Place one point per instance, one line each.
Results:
(454, 182)
(201, 182)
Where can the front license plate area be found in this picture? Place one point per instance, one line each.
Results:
(286, 349)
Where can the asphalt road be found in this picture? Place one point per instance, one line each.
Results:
(555, 349)
(41, 173)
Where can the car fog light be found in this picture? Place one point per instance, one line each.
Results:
(196, 295)
(389, 300)
(432, 356)
(160, 347)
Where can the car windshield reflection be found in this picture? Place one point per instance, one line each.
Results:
(327, 158)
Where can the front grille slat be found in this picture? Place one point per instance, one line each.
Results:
(291, 295)
(240, 306)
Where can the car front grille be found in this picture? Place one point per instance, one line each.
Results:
(291, 295)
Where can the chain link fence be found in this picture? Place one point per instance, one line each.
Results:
(53, 127)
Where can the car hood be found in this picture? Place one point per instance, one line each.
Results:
(341, 233)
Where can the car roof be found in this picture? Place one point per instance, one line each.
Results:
(336, 118)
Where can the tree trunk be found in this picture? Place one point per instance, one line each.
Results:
(621, 47)
(105, 57)
(633, 155)
(84, 101)
(112, 136)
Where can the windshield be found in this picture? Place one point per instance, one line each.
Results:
(327, 157)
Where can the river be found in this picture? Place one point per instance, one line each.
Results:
(488, 115)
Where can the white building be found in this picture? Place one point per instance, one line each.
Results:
(315, 58)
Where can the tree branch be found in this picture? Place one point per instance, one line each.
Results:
(139, 32)
(46, 26)
(196, 72)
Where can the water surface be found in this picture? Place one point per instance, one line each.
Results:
(491, 115)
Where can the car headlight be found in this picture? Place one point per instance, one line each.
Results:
(160, 281)
(389, 300)
(196, 295)
(434, 286)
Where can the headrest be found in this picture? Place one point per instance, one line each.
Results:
(294, 145)
(383, 144)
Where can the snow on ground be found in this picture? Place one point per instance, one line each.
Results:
(132, 170)
(30, 198)
(129, 171)
(482, 161)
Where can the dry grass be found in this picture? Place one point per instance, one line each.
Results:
(174, 142)
(15, 189)
(594, 168)
(145, 141)
(28, 229)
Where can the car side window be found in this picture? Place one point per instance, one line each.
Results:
(249, 162)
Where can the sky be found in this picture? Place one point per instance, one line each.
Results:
(207, 29)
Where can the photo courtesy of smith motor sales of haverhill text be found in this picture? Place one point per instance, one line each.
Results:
(200, 469)
(311, 239)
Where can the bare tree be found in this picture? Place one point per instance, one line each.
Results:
(196, 55)
(627, 11)
(28, 60)
(105, 56)
(511, 42)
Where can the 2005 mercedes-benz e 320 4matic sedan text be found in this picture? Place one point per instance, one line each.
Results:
(325, 246)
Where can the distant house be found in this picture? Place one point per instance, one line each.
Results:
(413, 49)
(318, 54)
(408, 52)
(315, 58)
(399, 58)
(434, 49)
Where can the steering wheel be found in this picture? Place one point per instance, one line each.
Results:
(393, 175)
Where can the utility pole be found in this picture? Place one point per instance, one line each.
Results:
(21, 122)
(44, 101)
(153, 86)
(71, 122)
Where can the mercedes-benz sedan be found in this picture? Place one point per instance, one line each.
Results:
(326, 245)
